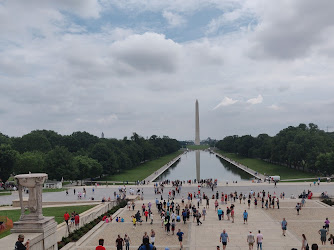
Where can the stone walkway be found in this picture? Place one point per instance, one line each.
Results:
(206, 236)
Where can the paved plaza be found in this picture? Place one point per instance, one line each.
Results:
(206, 236)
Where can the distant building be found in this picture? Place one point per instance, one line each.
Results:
(102, 135)
(53, 184)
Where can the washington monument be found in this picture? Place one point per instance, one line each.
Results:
(197, 140)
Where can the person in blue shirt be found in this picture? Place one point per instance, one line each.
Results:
(284, 224)
(224, 238)
(245, 214)
(146, 245)
(180, 234)
(220, 213)
(184, 216)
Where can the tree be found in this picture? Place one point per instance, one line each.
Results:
(7, 161)
(58, 164)
(86, 167)
(29, 162)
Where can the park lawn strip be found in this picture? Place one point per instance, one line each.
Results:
(57, 212)
(52, 190)
(268, 168)
(5, 193)
(143, 170)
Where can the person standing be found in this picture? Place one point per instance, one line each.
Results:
(232, 214)
(245, 215)
(323, 235)
(204, 213)
(304, 242)
(19, 243)
(277, 201)
(250, 240)
(119, 243)
(180, 236)
(100, 246)
(284, 225)
(77, 220)
(259, 239)
(219, 212)
(127, 242)
(224, 238)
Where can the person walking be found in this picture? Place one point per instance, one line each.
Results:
(259, 239)
(232, 214)
(327, 224)
(119, 243)
(127, 242)
(100, 246)
(297, 208)
(224, 239)
(180, 234)
(250, 240)
(284, 225)
(152, 237)
(245, 215)
(304, 242)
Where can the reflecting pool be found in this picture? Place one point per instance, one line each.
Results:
(203, 165)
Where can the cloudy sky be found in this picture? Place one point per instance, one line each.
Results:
(139, 65)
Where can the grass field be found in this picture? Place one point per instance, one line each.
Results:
(143, 170)
(57, 212)
(268, 168)
(198, 147)
(5, 193)
(53, 190)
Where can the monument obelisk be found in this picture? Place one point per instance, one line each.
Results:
(197, 140)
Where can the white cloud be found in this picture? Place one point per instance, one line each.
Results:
(108, 119)
(173, 19)
(226, 102)
(274, 107)
(256, 100)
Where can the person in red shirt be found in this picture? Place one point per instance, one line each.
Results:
(100, 246)
(146, 214)
(76, 220)
(66, 217)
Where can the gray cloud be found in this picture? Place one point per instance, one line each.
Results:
(292, 29)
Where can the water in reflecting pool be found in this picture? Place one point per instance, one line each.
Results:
(207, 166)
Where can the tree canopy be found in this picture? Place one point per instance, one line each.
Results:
(303, 147)
(79, 155)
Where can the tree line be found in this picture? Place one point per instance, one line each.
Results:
(302, 147)
(79, 155)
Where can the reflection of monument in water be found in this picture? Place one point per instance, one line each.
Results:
(198, 165)
(197, 142)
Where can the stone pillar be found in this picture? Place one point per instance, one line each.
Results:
(21, 201)
(41, 230)
(197, 140)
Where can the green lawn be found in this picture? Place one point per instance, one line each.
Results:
(52, 190)
(268, 168)
(5, 193)
(57, 212)
(198, 147)
(143, 170)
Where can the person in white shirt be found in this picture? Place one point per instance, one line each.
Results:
(259, 239)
